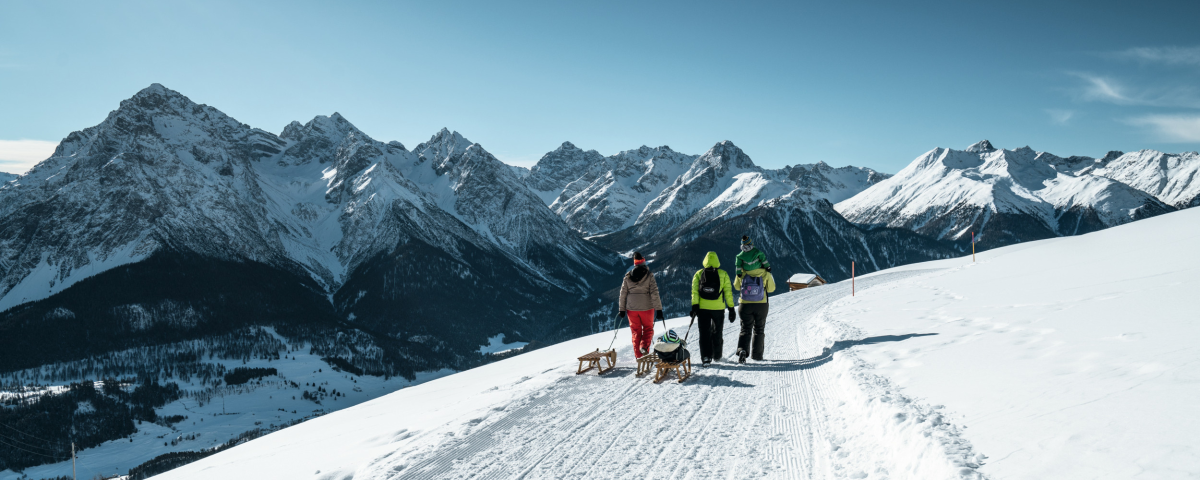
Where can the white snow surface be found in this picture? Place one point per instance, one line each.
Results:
(1065, 358)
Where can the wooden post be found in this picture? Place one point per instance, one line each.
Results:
(972, 247)
(851, 278)
(73, 460)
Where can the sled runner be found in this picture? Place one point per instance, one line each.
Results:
(646, 364)
(682, 370)
(593, 360)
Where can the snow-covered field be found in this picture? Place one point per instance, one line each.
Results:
(1067, 358)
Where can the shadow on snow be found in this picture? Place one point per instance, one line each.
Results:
(813, 362)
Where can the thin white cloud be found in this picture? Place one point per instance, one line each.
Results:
(1103, 89)
(1172, 128)
(1060, 117)
(1188, 56)
(18, 156)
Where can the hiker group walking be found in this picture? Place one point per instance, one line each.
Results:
(712, 298)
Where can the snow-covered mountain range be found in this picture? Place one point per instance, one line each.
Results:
(659, 190)
(7, 177)
(1008, 196)
(443, 243)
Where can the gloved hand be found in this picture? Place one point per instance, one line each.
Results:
(732, 315)
(621, 314)
(659, 315)
(695, 310)
(739, 275)
(768, 269)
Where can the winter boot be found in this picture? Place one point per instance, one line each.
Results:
(741, 354)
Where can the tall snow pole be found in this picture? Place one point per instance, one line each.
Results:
(73, 460)
(852, 278)
(972, 247)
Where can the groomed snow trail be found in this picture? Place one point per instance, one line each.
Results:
(787, 417)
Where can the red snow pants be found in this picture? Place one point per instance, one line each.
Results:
(641, 324)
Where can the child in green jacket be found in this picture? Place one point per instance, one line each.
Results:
(750, 258)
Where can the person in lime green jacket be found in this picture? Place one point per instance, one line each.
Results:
(711, 293)
(752, 289)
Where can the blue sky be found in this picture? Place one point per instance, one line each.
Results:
(862, 83)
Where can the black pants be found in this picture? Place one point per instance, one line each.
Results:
(711, 333)
(754, 322)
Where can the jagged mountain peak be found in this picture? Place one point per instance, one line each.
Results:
(444, 141)
(1112, 155)
(725, 155)
(982, 146)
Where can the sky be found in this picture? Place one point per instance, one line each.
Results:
(871, 84)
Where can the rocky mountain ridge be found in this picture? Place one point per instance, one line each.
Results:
(379, 229)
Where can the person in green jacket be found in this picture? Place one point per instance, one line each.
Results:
(711, 293)
(750, 258)
(752, 308)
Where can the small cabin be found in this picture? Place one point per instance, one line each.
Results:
(805, 280)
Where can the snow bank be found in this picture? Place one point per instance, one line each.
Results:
(1066, 358)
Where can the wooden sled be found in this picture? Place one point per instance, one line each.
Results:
(593, 361)
(646, 364)
(682, 370)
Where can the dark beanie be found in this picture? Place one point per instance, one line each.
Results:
(638, 256)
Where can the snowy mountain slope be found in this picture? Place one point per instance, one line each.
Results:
(1066, 358)
(166, 179)
(658, 190)
(719, 182)
(801, 414)
(1075, 372)
(614, 191)
(1004, 196)
(1172, 178)
(158, 171)
(820, 180)
(561, 166)
(7, 177)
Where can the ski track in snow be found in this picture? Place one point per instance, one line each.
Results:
(771, 419)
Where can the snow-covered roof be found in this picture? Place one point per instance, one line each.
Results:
(802, 278)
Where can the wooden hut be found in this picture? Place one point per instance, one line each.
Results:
(805, 280)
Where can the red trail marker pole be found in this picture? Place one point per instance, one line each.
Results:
(972, 247)
(852, 278)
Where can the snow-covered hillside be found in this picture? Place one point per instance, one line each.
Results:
(1064, 358)
(1010, 196)
(7, 177)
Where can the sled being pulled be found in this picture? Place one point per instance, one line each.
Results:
(671, 355)
(682, 370)
(593, 361)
